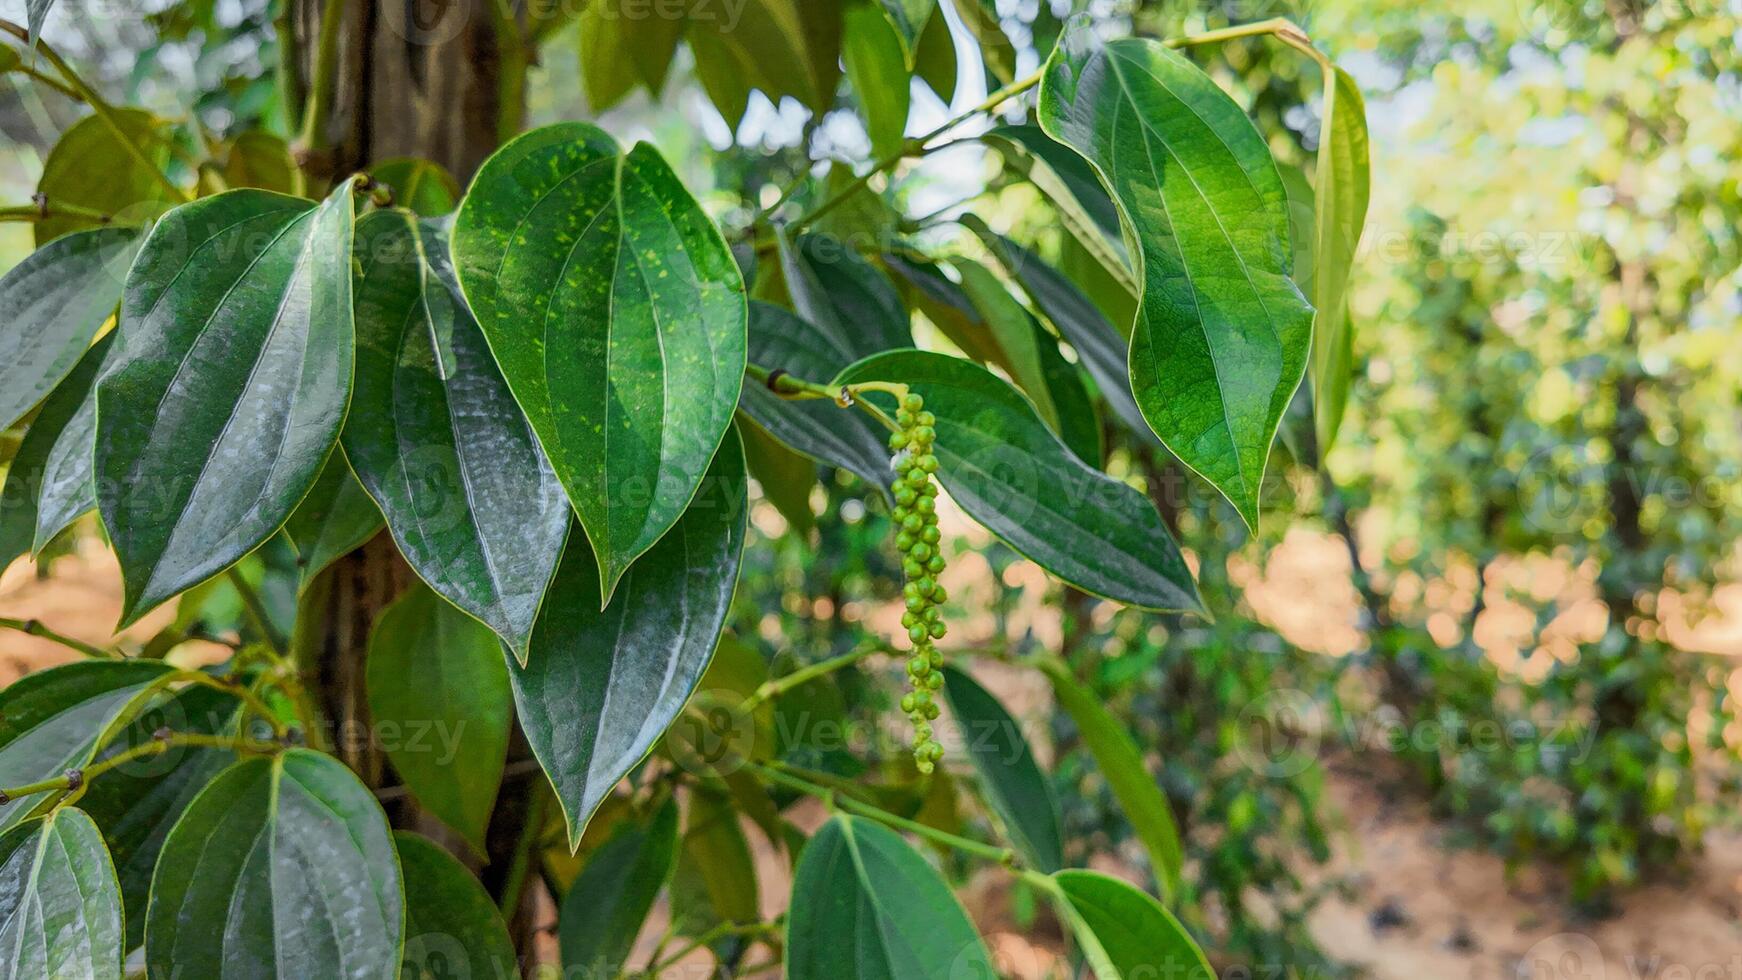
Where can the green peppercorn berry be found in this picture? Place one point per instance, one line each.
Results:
(939, 595)
(912, 523)
(930, 535)
(919, 665)
(913, 402)
(937, 659)
(911, 568)
(910, 619)
(924, 418)
(922, 698)
(922, 436)
(926, 505)
(934, 565)
(907, 704)
(905, 542)
(905, 496)
(931, 710)
(904, 418)
(920, 551)
(917, 634)
(898, 440)
(918, 479)
(928, 489)
(917, 604)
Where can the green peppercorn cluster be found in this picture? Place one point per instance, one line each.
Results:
(916, 520)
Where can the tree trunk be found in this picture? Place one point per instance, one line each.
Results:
(420, 78)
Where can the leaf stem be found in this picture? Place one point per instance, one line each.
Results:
(1001, 855)
(36, 628)
(43, 212)
(322, 84)
(78, 778)
(845, 396)
(777, 686)
(103, 110)
(515, 881)
(660, 965)
(289, 68)
(917, 148)
(256, 611)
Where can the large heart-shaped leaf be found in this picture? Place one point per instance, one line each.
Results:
(336, 518)
(452, 928)
(92, 167)
(865, 906)
(55, 301)
(1222, 332)
(435, 679)
(60, 909)
(1009, 776)
(607, 905)
(820, 429)
(49, 720)
(617, 315)
(283, 867)
(48, 484)
(138, 802)
(437, 439)
(1340, 209)
(599, 687)
(225, 394)
(1126, 934)
(1122, 766)
(1002, 464)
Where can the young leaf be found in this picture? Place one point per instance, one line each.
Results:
(879, 70)
(283, 867)
(336, 518)
(607, 905)
(1340, 211)
(599, 687)
(1125, 933)
(935, 59)
(997, 54)
(620, 51)
(55, 301)
(778, 47)
(617, 315)
(436, 683)
(225, 394)
(1012, 781)
(423, 187)
(49, 720)
(909, 19)
(90, 167)
(1002, 464)
(817, 428)
(1222, 332)
(866, 906)
(60, 908)
(715, 880)
(1070, 183)
(452, 928)
(48, 484)
(437, 440)
(1122, 766)
(1032, 357)
(136, 804)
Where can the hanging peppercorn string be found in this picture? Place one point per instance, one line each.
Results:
(922, 561)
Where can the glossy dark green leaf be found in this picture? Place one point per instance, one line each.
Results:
(60, 908)
(1076, 193)
(260, 159)
(778, 47)
(1099, 347)
(785, 476)
(1222, 332)
(422, 186)
(36, 14)
(1009, 777)
(819, 429)
(948, 306)
(1121, 764)
(607, 905)
(137, 803)
(843, 295)
(599, 687)
(623, 46)
(1032, 357)
(1340, 210)
(228, 386)
(439, 698)
(283, 867)
(1126, 934)
(877, 62)
(452, 928)
(1001, 463)
(438, 441)
(617, 315)
(866, 906)
(336, 518)
(48, 483)
(55, 301)
(935, 59)
(997, 53)
(715, 880)
(89, 167)
(49, 721)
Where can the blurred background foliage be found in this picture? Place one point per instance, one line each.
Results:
(1535, 497)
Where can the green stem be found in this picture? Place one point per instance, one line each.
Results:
(917, 147)
(33, 212)
(845, 396)
(157, 746)
(289, 68)
(510, 70)
(780, 685)
(515, 882)
(43, 78)
(256, 611)
(100, 107)
(1000, 855)
(323, 83)
(34, 627)
(255, 702)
